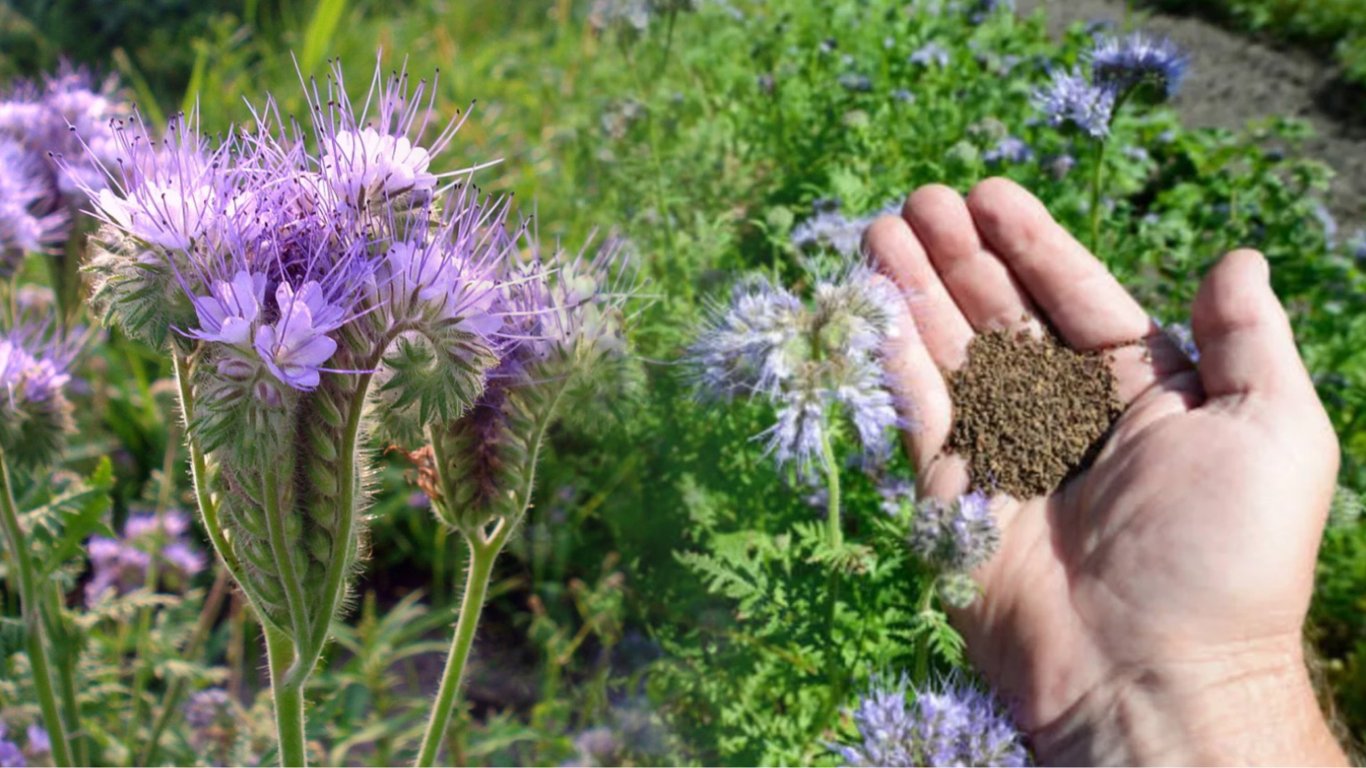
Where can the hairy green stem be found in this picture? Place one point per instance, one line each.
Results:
(170, 705)
(922, 651)
(32, 613)
(66, 675)
(1097, 177)
(833, 527)
(289, 699)
(483, 552)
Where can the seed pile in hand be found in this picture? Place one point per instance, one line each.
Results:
(1029, 412)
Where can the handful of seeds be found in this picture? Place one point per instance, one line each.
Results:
(1029, 412)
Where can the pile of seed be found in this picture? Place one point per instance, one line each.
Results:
(1029, 412)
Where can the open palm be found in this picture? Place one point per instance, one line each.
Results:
(1184, 555)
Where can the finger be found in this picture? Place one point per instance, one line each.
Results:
(899, 255)
(922, 399)
(1244, 337)
(1073, 290)
(979, 283)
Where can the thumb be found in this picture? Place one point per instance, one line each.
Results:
(1246, 345)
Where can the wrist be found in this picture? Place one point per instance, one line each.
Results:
(1246, 707)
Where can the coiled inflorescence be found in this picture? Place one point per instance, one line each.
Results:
(563, 323)
(35, 364)
(948, 723)
(812, 360)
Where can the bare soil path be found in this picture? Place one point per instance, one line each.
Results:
(1234, 79)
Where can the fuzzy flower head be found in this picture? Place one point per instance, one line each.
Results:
(832, 230)
(942, 724)
(64, 123)
(562, 329)
(35, 364)
(119, 565)
(812, 360)
(30, 222)
(1122, 64)
(955, 536)
(1070, 99)
(288, 262)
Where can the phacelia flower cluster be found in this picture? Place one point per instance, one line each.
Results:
(55, 140)
(35, 364)
(814, 361)
(832, 230)
(318, 283)
(120, 565)
(947, 723)
(1119, 67)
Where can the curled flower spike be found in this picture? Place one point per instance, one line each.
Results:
(956, 536)
(1070, 99)
(35, 416)
(1124, 63)
(944, 723)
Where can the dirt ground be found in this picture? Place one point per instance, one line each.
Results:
(1234, 79)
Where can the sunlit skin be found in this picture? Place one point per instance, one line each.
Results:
(1151, 609)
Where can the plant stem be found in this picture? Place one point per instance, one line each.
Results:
(289, 700)
(33, 621)
(482, 555)
(66, 676)
(833, 527)
(170, 706)
(1097, 176)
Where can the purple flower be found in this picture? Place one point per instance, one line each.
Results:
(1070, 99)
(957, 536)
(946, 723)
(35, 361)
(897, 494)
(207, 708)
(357, 241)
(230, 312)
(296, 346)
(29, 220)
(120, 565)
(930, 54)
(1009, 150)
(829, 228)
(1124, 63)
(1180, 335)
(10, 755)
(64, 124)
(38, 741)
(365, 166)
(855, 82)
(798, 436)
(749, 345)
(813, 363)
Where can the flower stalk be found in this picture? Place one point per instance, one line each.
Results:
(32, 611)
(484, 550)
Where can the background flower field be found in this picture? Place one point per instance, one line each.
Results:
(667, 599)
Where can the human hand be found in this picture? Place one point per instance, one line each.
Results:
(1151, 609)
